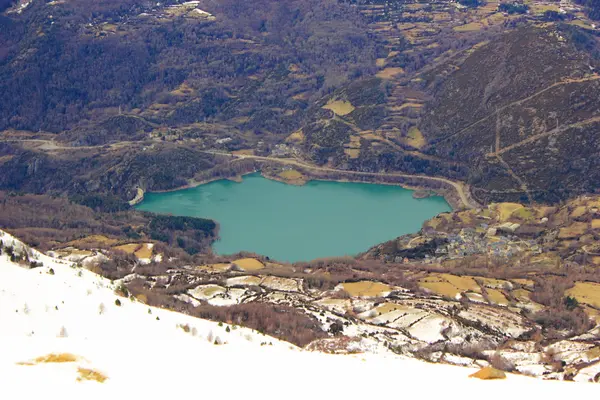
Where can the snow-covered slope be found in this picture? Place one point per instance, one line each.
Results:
(145, 351)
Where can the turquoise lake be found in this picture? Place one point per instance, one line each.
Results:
(299, 223)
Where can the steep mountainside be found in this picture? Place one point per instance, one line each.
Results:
(523, 111)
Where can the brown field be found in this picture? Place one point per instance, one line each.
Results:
(244, 152)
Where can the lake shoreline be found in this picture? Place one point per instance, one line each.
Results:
(450, 196)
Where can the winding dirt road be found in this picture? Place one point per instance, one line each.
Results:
(460, 188)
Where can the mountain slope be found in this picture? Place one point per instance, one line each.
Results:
(523, 113)
(57, 309)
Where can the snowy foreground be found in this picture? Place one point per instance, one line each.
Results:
(73, 311)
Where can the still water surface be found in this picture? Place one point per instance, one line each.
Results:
(297, 223)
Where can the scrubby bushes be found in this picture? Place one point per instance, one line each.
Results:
(513, 8)
(283, 322)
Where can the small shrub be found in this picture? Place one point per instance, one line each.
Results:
(101, 308)
(122, 290)
(571, 303)
(118, 303)
(50, 271)
(227, 330)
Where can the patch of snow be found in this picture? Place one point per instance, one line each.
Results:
(159, 353)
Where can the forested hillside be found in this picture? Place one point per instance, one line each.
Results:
(103, 98)
(65, 63)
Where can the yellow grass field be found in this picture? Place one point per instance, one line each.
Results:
(464, 283)
(339, 107)
(389, 73)
(505, 210)
(523, 214)
(522, 295)
(586, 293)
(92, 240)
(470, 27)
(578, 211)
(439, 287)
(596, 224)
(296, 137)
(574, 230)
(88, 374)
(128, 248)
(415, 138)
(220, 267)
(492, 283)
(352, 153)
(249, 264)
(52, 358)
(542, 8)
(496, 297)
(449, 285)
(291, 175)
(388, 307)
(210, 290)
(140, 250)
(145, 251)
(366, 289)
